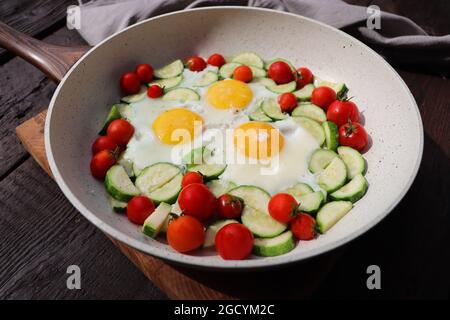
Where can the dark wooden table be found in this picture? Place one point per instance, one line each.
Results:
(41, 234)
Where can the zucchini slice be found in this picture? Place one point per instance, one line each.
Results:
(209, 171)
(194, 157)
(181, 94)
(299, 189)
(267, 82)
(310, 202)
(211, 231)
(136, 97)
(118, 206)
(259, 115)
(155, 176)
(268, 63)
(311, 111)
(168, 83)
(352, 191)
(331, 135)
(249, 59)
(208, 78)
(304, 94)
(171, 70)
(339, 87)
(331, 213)
(257, 72)
(277, 246)
(154, 223)
(126, 111)
(255, 215)
(127, 165)
(113, 114)
(320, 159)
(312, 127)
(119, 185)
(353, 160)
(219, 187)
(283, 88)
(167, 193)
(272, 109)
(226, 71)
(334, 176)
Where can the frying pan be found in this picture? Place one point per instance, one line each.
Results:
(82, 99)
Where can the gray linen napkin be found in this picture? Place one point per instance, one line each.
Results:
(399, 39)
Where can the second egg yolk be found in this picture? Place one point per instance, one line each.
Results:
(227, 94)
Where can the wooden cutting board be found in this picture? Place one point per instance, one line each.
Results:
(179, 282)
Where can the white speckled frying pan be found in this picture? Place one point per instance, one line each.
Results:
(84, 95)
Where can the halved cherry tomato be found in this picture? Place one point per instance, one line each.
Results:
(229, 206)
(103, 143)
(234, 242)
(196, 63)
(155, 91)
(197, 201)
(341, 111)
(303, 226)
(130, 83)
(323, 97)
(191, 177)
(304, 77)
(101, 162)
(216, 60)
(185, 234)
(144, 72)
(353, 134)
(287, 102)
(283, 207)
(139, 208)
(243, 73)
(280, 72)
(120, 131)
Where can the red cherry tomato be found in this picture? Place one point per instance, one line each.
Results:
(283, 207)
(103, 143)
(120, 131)
(139, 208)
(287, 102)
(303, 227)
(191, 177)
(155, 91)
(197, 201)
(216, 60)
(280, 72)
(353, 134)
(243, 73)
(323, 97)
(196, 63)
(144, 72)
(234, 242)
(341, 111)
(130, 83)
(229, 206)
(185, 234)
(101, 162)
(304, 77)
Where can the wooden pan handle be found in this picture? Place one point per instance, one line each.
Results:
(53, 60)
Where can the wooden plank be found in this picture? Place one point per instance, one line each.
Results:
(33, 17)
(24, 92)
(183, 283)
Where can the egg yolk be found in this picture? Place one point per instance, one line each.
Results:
(228, 94)
(258, 140)
(176, 126)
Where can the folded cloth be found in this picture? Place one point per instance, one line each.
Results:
(399, 39)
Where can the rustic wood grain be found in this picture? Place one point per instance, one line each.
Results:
(183, 283)
(33, 17)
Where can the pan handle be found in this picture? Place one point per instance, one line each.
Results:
(51, 59)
